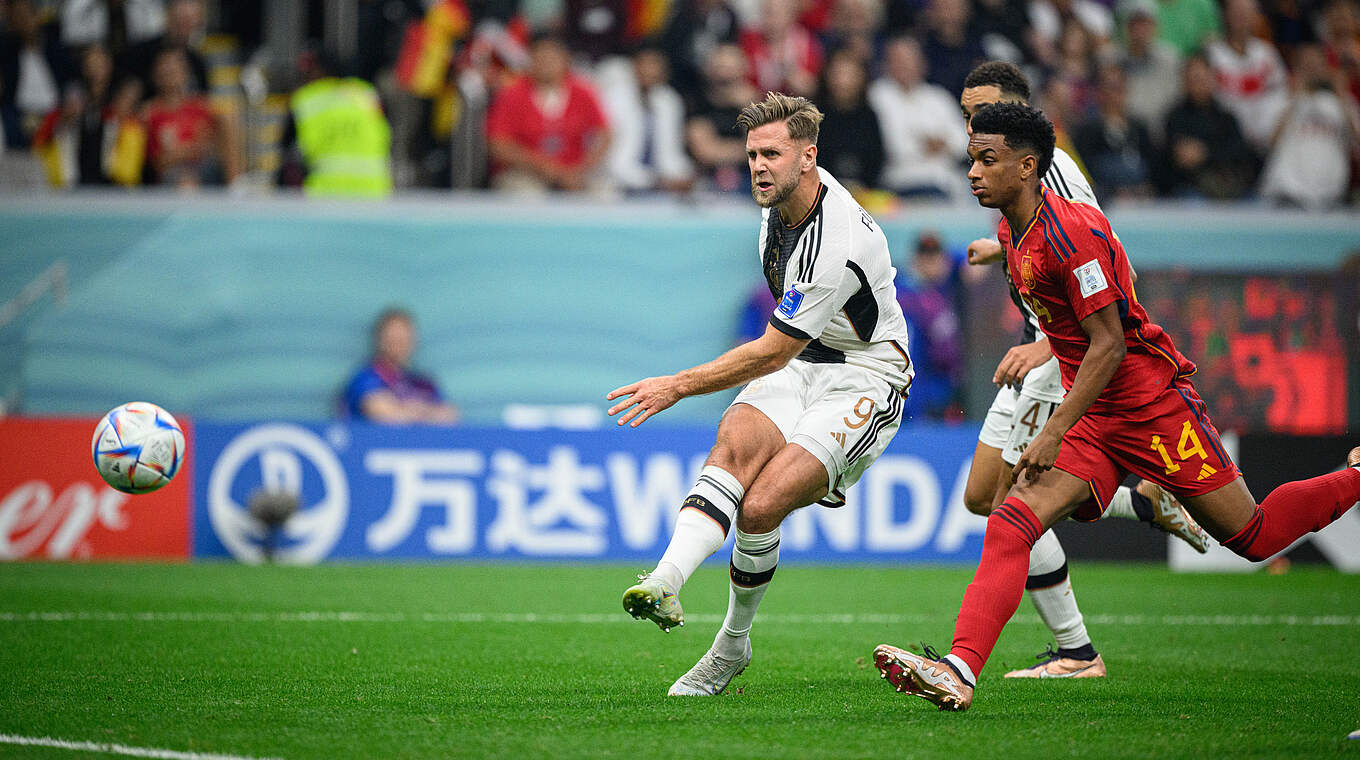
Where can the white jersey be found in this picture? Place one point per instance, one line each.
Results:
(832, 276)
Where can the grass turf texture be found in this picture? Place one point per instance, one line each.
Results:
(235, 674)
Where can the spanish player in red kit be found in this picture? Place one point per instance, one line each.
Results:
(1130, 408)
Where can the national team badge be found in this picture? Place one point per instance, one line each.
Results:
(1027, 272)
(788, 305)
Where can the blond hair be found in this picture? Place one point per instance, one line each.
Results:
(801, 116)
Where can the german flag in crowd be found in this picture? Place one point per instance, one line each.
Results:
(427, 50)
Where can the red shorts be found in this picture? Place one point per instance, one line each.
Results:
(1169, 441)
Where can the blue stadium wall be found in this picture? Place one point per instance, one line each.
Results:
(235, 310)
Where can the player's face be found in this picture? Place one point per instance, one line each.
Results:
(994, 171)
(776, 163)
(974, 98)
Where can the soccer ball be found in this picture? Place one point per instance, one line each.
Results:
(137, 447)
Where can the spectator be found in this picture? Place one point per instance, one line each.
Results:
(850, 141)
(648, 117)
(34, 70)
(782, 56)
(1115, 146)
(547, 130)
(184, 26)
(1339, 30)
(1309, 162)
(96, 137)
(387, 390)
(716, 143)
(1188, 24)
(1206, 155)
(337, 141)
(595, 29)
(755, 314)
(695, 31)
(188, 145)
(922, 137)
(1050, 19)
(952, 47)
(1005, 30)
(927, 291)
(118, 24)
(1151, 66)
(1252, 79)
(856, 28)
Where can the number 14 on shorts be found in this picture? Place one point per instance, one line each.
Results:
(1188, 445)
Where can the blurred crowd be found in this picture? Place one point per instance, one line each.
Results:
(1238, 99)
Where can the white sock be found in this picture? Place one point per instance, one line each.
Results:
(1121, 505)
(705, 518)
(1051, 591)
(754, 560)
(963, 668)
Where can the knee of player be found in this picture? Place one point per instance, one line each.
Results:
(978, 503)
(757, 516)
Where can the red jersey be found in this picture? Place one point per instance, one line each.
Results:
(564, 134)
(1067, 265)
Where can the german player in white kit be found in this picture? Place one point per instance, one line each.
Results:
(1030, 389)
(827, 382)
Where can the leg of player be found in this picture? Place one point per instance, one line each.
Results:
(1030, 508)
(746, 441)
(1154, 505)
(1258, 531)
(985, 474)
(1048, 583)
(792, 479)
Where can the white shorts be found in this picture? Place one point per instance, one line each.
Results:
(1015, 417)
(841, 414)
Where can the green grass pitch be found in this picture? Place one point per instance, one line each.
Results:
(444, 661)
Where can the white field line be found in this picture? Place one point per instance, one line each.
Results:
(117, 749)
(321, 616)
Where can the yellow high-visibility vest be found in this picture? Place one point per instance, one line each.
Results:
(344, 138)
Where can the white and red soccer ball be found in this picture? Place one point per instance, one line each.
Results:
(138, 447)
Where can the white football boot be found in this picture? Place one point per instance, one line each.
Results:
(710, 675)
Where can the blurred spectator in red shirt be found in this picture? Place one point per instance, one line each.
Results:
(547, 130)
(783, 56)
(187, 143)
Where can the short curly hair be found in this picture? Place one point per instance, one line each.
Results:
(1003, 75)
(1023, 127)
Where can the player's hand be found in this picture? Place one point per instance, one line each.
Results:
(1038, 457)
(1019, 361)
(985, 251)
(644, 399)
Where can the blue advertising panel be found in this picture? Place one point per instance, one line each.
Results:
(371, 493)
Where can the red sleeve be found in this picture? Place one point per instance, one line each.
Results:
(1087, 262)
(594, 111)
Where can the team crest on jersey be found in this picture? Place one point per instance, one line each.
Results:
(1027, 272)
(788, 305)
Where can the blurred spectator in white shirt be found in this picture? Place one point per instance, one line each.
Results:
(1309, 162)
(920, 121)
(1252, 79)
(647, 116)
(1152, 67)
(119, 24)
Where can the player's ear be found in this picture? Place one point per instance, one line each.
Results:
(1029, 166)
(810, 157)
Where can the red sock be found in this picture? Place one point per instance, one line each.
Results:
(1292, 510)
(999, 583)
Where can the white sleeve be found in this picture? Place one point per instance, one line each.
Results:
(821, 282)
(1066, 179)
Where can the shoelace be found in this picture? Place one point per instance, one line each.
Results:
(931, 653)
(1048, 654)
(709, 668)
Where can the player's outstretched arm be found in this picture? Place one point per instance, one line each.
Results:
(1103, 355)
(744, 363)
